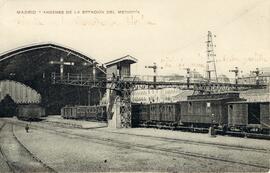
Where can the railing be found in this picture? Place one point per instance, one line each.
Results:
(86, 79)
(76, 78)
(263, 80)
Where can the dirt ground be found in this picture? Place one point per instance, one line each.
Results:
(103, 149)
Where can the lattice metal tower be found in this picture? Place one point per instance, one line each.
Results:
(211, 62)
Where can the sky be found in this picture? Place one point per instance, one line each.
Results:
(171, 33)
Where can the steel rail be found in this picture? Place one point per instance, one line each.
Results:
(30, 154)
(141, 147)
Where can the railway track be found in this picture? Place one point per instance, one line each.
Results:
(140, 147)
(205, 130)
(3, 154)
(226, 146)
(198, 130)
(25, 155)
(147, 148)
(165, 139)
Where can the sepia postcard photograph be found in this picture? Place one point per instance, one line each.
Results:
(134, 86)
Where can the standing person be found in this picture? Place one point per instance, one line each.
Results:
(27, 128)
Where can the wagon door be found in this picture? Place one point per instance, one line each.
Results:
(254, 113)
(265, 115)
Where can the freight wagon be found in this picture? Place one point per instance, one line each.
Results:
(160, 114)
(206, 110)
(249, 116)
(227, 111)
(140, 114)
(30, 112)
(84, 112)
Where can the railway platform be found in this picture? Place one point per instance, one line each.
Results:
(57, 119)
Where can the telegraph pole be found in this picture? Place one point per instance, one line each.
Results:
(211, 62)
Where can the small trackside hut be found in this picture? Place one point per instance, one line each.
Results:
(118, 105)
(249, 116)
(206, 110)
(120, 67)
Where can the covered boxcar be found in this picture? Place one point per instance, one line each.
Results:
(30, 112)
(140, 114)
(249, 116)
(170, 112)
(205, 110)
(156, 113)
(69, 112)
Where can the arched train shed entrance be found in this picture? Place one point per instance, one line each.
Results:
(33, 65)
